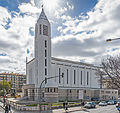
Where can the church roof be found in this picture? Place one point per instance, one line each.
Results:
(67, 61)
(42, 15)
(70, 61)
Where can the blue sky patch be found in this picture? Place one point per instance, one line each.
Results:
(12, 5)
(3, 54)
(7, 26)
(28, 51)
(31, 31)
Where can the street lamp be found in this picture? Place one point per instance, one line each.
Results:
(45, 80)
(109, 40)
(3, 92)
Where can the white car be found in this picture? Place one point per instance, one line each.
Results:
(102, 103)
(110, 102)
(90, 105)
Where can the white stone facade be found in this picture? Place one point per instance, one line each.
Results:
(78, 77)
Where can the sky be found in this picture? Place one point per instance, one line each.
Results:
(79, 29)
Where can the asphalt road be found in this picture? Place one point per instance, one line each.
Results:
(101, 109)
(105, 109)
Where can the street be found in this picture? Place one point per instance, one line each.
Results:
(102, 109)
(105, 109)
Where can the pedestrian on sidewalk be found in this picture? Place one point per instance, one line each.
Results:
(83, 103)
(6, 109)
(9, 108)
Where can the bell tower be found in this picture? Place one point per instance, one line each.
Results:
(42, 49)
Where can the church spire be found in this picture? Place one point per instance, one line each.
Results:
(42, 15)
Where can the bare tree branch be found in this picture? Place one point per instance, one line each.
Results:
(110, 71)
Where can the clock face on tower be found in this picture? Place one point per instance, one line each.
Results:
(45, 30)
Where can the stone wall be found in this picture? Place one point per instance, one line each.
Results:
(67, 94)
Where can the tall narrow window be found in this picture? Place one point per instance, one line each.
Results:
(48, 89)
(45, 62)
(45, 71)
(40, 29)
(67, 76)
(54, 90)
(45, 43)
(45, 30)
(45, 53)
(81, 77)
(74, 76)
(59, 75)
(87, 77)
(36, 30)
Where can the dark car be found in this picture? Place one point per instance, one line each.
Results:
(115, 101)
(90, 105)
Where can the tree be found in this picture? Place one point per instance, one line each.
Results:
(7, 86)
(110, 71)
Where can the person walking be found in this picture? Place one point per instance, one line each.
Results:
(6, 109)
(9, 108)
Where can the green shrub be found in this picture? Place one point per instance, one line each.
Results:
(31, 105)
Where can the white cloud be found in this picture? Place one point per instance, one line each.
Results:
(15, 40)
(82, 38)
(71, 7)
(29, 8)
(90, 32)
(4, 16)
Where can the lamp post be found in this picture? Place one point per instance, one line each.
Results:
(109, 40)
(45, 80)
(3, 92)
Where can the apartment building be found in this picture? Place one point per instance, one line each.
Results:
(17, 80)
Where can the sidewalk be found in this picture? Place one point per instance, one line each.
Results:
(72, 109)
(1, 105)
(61, 110)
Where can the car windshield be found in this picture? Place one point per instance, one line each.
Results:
(110, 100)
(103, 102)
(90, 102)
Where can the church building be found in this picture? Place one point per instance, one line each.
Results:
(54, 79)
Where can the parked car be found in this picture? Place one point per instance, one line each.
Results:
(94, 99)
(110, 102)
(90, 105)
(115, 101)
(103, 103)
